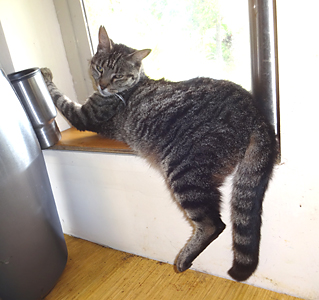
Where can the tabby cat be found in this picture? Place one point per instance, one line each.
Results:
(195, 132)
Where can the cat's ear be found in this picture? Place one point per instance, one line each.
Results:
(105, 43)
(139, 55)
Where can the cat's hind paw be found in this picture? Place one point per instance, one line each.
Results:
(182, 264)
(47, 74)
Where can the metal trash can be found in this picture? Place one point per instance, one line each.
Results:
(33, 252)
(34, 96)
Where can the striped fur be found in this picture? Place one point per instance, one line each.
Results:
(196, 132)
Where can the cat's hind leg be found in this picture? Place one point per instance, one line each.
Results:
(206, 231)
(197, 195)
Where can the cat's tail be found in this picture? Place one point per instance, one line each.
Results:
(250, 183)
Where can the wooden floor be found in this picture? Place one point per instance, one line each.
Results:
(96, 272)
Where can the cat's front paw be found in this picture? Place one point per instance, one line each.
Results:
(47, 75)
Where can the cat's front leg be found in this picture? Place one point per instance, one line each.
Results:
(71, 110)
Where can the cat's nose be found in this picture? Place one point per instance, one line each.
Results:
(103, 86)
(104, 83)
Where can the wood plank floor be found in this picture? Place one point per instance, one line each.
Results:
(96, 272)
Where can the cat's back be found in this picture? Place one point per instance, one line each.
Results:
(197, 91)
(199, 109)
(206, 100)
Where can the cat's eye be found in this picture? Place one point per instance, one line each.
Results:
(118, 76)
(99, 69)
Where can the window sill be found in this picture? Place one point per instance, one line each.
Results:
(74, 140)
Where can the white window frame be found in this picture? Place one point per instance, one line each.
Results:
(262, 14)
(77, 44)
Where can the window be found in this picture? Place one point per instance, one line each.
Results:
(229, 39)
(188, 38)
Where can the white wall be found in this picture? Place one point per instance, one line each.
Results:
(31, 34)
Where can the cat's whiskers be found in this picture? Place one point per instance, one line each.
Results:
(121, 98)
(106, 93)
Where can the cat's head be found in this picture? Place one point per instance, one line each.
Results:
(116, 67)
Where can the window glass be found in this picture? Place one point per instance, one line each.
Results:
(188, 38)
